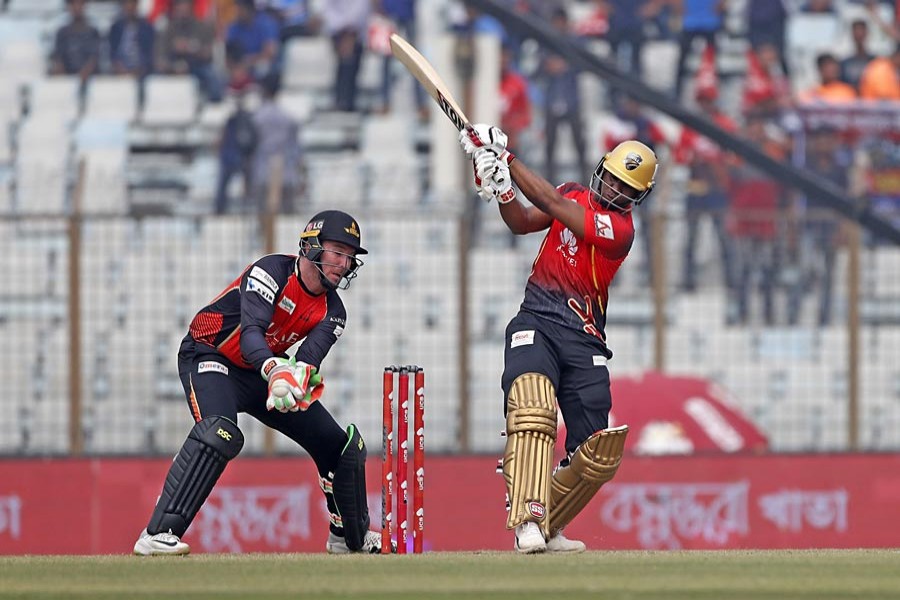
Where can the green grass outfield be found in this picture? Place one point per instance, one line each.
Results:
(814, 574)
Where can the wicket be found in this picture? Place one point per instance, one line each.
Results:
(388, 474)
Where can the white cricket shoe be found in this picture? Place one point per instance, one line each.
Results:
(161, 544)
(560, 543)
(530, 539)
(371, 544)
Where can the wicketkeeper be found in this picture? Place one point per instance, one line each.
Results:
(233, 360)
(555, 353)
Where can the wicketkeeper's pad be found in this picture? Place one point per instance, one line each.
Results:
(528, 459)
(594, 463)
(209, 446)
(349, 490)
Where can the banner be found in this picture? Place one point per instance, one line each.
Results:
(99, 506)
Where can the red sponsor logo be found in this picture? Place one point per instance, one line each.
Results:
(537, 510)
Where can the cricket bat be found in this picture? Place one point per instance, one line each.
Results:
(422, 70)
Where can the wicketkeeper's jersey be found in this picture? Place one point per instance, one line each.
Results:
(570, 278)
(265, 311)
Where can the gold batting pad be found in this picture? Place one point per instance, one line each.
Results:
(594, 463)
(528, 458)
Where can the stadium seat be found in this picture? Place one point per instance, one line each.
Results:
(35, 8)
(21, 61)
(309, 64)
(110, 97)
(105, 188)
(169, 100)
(57, 97)
(299, 105)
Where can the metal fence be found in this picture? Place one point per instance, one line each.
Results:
(94, 308)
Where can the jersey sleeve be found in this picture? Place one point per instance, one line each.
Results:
(259, 288)
(611, 233)
(323, 336)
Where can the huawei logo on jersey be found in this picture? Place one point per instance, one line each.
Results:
(568, 245)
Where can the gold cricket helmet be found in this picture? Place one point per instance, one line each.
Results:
(632, 163)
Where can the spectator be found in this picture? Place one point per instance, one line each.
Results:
(626, 35)
(767, 88)
(294, 17)
(891, 29)
(818, 7)
(76, 49)
(381, 28)
(766, 22)
(707, 189)
(879, 80)
(699, 19)
(278, 134)
(186, 46)
(515, 105)
(253, 39)
(562, 101)
(632, 124)
(829, 159)
(202, 9)
(236, 147)
(345, 21)
(830, 89)
(753, 224)
(402, 14)
(131, 40)
(853, 66)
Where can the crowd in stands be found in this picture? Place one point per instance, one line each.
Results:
(760, 228)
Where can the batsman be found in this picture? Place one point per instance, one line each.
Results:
(555, 355)
(234, 359)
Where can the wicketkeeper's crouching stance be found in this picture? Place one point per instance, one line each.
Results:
(233, 360)
(556, 353)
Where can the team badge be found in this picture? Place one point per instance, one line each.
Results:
(632, 161)
(603, 226)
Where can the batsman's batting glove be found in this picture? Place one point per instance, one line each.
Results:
(492, 171)
(485, 193)
(288, 383)
(480, 135)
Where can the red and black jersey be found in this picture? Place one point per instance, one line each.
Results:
(570, 278)
(265, 311)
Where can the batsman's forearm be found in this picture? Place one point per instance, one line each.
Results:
(515, 216)
(538, 190)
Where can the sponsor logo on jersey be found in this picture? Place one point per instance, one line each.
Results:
(255, 285)
(599, 360)
(287, 304)
(337, 320)
(211, 366)
(522, 338)
(569, 241)
(260, 274)
(603, 226)
(568, 247)
(338, 330)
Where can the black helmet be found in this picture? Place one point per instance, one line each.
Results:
(334, 226)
